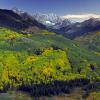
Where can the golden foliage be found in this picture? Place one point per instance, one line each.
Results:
(47, 70)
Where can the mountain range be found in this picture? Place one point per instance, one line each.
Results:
(25, 22)
(77, 29)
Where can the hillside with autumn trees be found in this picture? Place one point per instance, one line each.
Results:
(33, 62)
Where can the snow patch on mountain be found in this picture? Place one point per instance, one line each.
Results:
(52, 20)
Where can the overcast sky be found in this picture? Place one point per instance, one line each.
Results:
(68, 8)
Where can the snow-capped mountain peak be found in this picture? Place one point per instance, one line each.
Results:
(51, 20)
(47, 19)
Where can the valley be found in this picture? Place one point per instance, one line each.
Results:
(41, 61)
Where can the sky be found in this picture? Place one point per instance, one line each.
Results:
(73, 9)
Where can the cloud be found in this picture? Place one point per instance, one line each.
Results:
(80, 17)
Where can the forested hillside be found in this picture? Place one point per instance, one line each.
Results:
(91, 41)
(34, 59)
